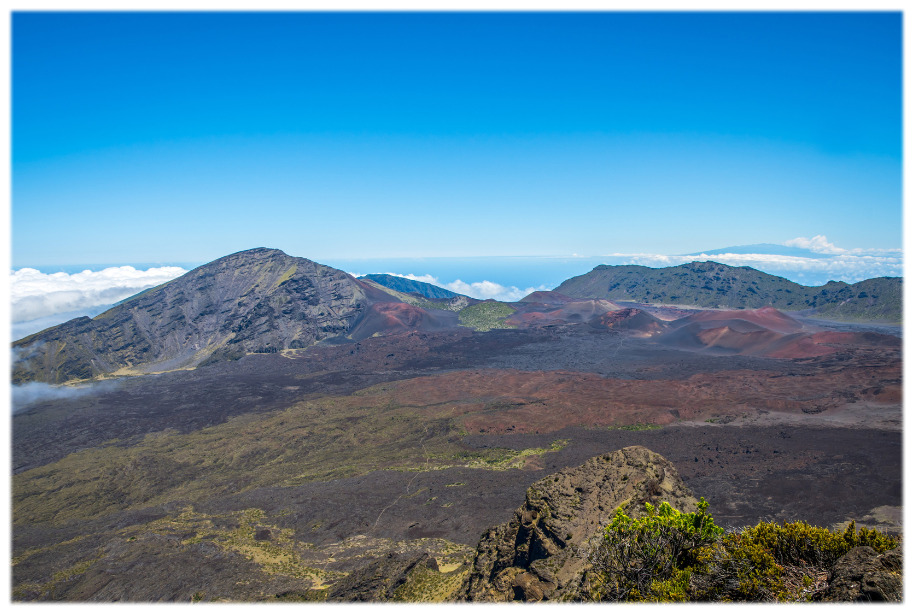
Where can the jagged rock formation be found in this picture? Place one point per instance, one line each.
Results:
(541, 554)
(259, 300)
(864, 575)
(710, 284)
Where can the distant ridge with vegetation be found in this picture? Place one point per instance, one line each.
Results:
(715, 285)
(403, 284)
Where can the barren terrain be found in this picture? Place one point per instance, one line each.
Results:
(277, 474)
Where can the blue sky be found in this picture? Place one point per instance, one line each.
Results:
(173, 138)
(490, 153)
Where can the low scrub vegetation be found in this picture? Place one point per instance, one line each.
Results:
(486, 315)
(669, 556)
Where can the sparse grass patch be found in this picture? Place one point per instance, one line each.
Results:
(426, 585)
(638, 426)
(275, 555)
(45, 591)
(33, 551)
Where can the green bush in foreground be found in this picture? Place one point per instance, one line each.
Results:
(670, 556)
(636, 554)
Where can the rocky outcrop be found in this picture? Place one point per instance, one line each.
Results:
(864, 575)
(541, 554)
(260, 300)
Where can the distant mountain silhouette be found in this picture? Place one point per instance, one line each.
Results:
(714, 285)
(402, 284)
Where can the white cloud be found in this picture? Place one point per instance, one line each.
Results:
(428, 279)
(845, 265)
(37, 295)
(818, 244)
(24, 329)
(33, 392)
(490, 289)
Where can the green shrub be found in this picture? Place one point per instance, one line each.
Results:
(637, 559)
(801, 544)
(669, 556)
(737, 569)
(674, 589)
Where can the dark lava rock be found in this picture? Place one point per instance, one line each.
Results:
(379, 580)
(159, 568)
(541, 554)
(864, 575)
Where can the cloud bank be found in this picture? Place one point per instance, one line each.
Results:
(850, 265)
(28, 394)
(39, 296)
(818, 244)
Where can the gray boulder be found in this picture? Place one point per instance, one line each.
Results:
(864, 575)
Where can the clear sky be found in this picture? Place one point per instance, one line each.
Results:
(163, 138)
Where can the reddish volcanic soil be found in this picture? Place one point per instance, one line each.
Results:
(760, 332)
(763, 332)
(766, 317)
(547, 297)
(569, 312)
(635, 321)
(503, 401)
(393, 318)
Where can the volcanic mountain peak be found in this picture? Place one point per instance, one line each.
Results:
(258, 300)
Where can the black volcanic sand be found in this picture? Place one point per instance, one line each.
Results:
(190, 400)
(748, 474)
